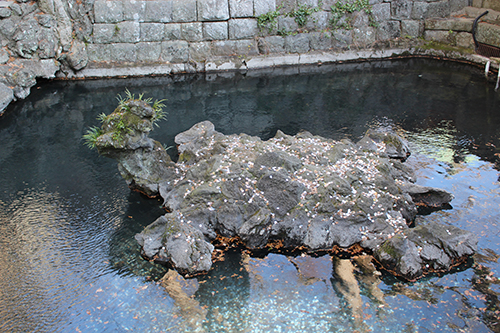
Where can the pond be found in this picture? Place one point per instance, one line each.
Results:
(69, 261)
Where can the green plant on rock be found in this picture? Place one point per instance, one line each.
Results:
(122, 121)
(302, 13)
(342, 13)
(268, 20)
(91, 136)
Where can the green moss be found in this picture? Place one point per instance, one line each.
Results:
(433, 45)
(389, 249)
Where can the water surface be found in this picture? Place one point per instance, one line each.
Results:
(68, 260)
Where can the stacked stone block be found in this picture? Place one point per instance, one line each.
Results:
(184, 30)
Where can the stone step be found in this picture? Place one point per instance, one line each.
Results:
(492, 17)
(488, 34)
(450, 24)
(457, 29)
(491, 4)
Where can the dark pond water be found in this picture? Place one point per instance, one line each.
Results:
(69, 263)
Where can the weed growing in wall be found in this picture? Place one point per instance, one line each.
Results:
(268, 20)
(302, 13)
(342, 13)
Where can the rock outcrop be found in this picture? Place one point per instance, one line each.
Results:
(289, 192)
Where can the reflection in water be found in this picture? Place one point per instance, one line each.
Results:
(181, 291)
(68, 260)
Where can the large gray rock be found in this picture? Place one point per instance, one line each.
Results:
(299, 191)
(77, 57)
(430, 247)
(6, 96)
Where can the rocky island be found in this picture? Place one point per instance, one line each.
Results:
(290, 193)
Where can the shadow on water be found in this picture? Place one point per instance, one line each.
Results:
(67, 220)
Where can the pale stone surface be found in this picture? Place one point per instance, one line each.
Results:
(318, 21)
(381, 12)
(456, 5)
(423, 10)
(172, 31)
(200, 51)
(98, 52)
(455, 24)
(192, 32)
(184, 11)
(235, 47)
(255, 63)
(297, 44)
(401, 9)
(411, 28)
(242, 28)
(264, 6)
(152, 32)
(489, 34)
(215, 30)
(4, 55)
(123, 52)
(158, 11)
(213, 10)
(271, 44)
(439, 36)
(133, 10)
(106, 11)
(127, 32)
(341, 38)
(6, 96)
(240, 8)
(246, 47)
(388, 30)
(464, 39)
(77, 57)
(320, 40)
(175, 51)
(148, 51)
(103, 33)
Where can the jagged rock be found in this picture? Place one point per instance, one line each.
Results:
(301, 191)
(21, 74)
(26, 38)
(430, 247)
(77, 56)
(6, 96)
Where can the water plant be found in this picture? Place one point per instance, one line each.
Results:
(342, 13)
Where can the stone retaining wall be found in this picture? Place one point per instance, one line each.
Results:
(71, 38)
(179, 31)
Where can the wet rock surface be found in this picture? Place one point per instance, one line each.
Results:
(290, 192)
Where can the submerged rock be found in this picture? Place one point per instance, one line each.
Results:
(294, 192)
